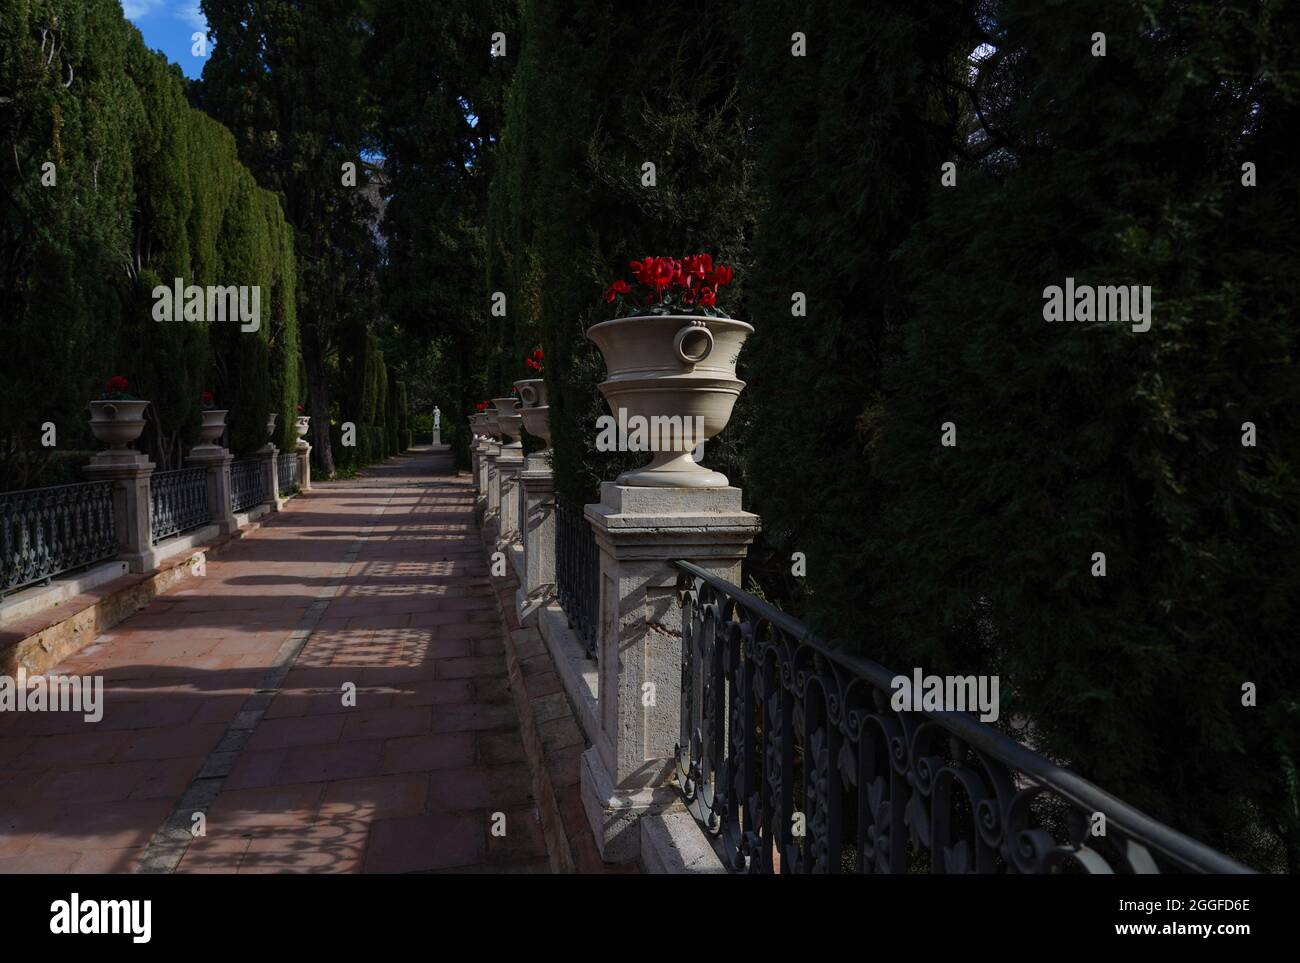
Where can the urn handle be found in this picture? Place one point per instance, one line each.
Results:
(110, 411)
(693, 344)
(528, 395)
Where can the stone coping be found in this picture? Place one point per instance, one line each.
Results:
(556, 687)
(553, 740)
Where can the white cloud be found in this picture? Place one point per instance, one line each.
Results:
(188, 10)
(136, 9)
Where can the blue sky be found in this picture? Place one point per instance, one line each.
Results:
(168, 25)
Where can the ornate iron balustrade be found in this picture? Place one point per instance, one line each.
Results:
(774, 723)
(247, 484)
(577, 572)
(45, 532)
(286, 468)
(178, 502)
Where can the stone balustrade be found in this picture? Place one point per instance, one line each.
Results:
(626, 695)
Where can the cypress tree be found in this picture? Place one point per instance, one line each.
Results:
(580, 124)
(286, 78)
(1082, 439)
(146, 190)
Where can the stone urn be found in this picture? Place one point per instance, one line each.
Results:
(117, 423)
(490, 427)
(674, 375)
(302, 424)
(214, 425)
(509, 424)
(535, 412)
(270, 425)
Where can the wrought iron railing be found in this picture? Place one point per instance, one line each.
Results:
(178, 502)
(780, 733)
(577, 572)
(286, 469)
(45, 532)
(247, 483)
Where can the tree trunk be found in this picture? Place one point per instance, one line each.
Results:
(318, 398)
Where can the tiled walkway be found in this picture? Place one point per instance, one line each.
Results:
(228, 695)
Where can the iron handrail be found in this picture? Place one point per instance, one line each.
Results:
(1180, 849)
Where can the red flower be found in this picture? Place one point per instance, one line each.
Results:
(656, 272)
(207, 398)
(116, 383)
(700, 266)
(690, 283)
(300, 409)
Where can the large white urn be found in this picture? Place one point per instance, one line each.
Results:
(676, 376)
(509, 424)
(117, 423)
(534, 410)
(214, 425)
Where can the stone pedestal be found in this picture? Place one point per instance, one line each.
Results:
(129, 471)
(537, 514)
(475, 449)
(492, 485)
(639, 533)
(510, 463)
(303, 453)
(483, 469)
(269, 453)
(217, 461)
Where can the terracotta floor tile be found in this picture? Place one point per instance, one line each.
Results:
(405, 780)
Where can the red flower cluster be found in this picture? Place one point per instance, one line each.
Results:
(116, 384)
(481, 406)
(690, 282)
(207, 398)
(534, 362)
(300, 409)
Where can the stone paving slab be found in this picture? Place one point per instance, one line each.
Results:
(332, 696)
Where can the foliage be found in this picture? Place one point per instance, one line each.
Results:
(568, 206)
(286, 77)
(144, 190)
(1076, 438)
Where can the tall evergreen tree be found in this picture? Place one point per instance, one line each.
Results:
(118, 186)
(437, 87)
(597, 94)
(286, 77)
(1085, 443)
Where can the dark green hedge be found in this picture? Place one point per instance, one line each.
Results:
(821, 175)
(595, 94)
(1077, 438)
(147, 190)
